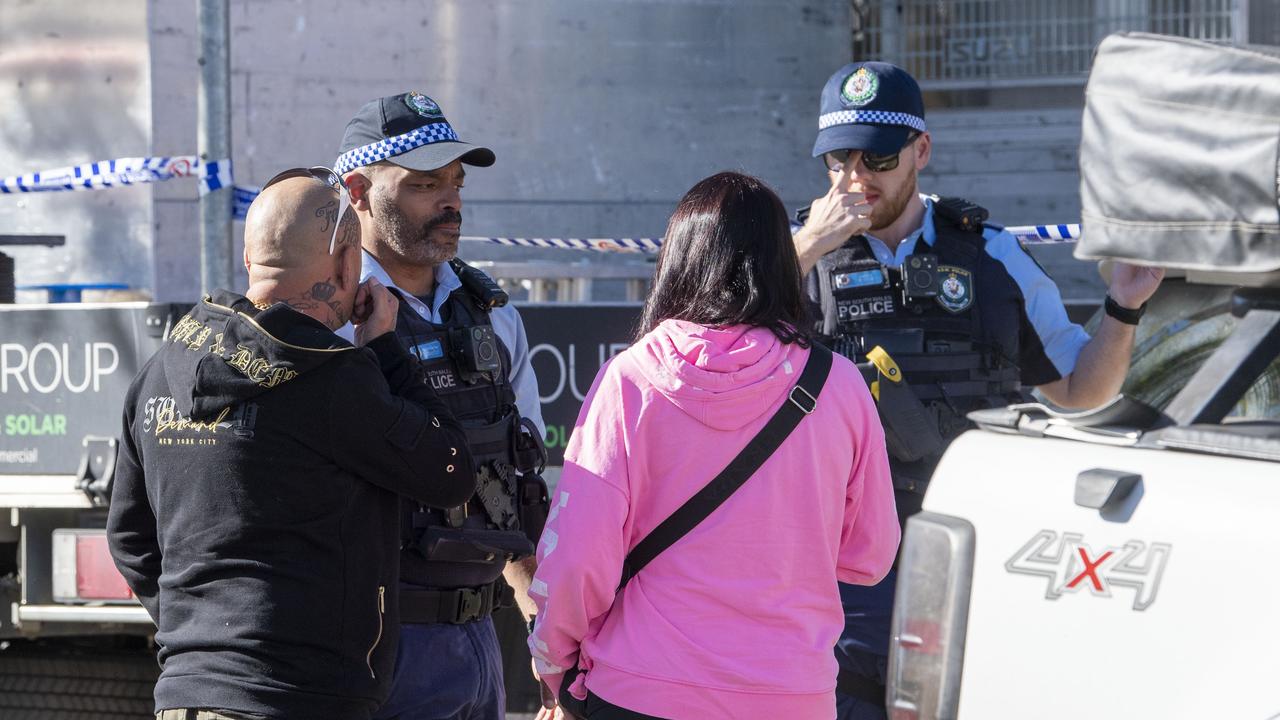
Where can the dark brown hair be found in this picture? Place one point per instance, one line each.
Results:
(728, 259)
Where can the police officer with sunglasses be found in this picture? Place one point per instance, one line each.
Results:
(945, 313)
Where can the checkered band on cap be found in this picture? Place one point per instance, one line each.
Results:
(854, 117)
(392, 146)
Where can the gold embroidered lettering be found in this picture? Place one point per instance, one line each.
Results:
(240, 359)
(257, 370)
(184, 329)
(199, 339)
(170, 420)
(278, 376)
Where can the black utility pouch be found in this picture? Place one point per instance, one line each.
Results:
(535, 504)
(910, 432)
(472, 545)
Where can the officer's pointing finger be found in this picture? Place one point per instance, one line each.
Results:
(847, 181)
(836, 190)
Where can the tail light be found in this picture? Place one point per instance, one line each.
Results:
(930, 616)
(83, 570)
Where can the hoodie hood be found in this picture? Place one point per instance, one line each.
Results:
(723, 377)
(226, 351)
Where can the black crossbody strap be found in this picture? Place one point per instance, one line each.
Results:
(801, 401)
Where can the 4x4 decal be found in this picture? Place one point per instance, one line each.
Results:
(1071, 566)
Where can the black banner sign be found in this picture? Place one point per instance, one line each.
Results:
(568, 344)
(64, 371)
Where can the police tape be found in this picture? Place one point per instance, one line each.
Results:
(1025, 234)
(122, 172)
(242, 199)
(217, 174)
(1044, 234)
(611, 245)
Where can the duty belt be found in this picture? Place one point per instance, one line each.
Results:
(455, 606)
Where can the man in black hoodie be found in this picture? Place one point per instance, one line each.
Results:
(255, 507)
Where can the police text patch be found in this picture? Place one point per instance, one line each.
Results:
(864, 308)
(442, 379)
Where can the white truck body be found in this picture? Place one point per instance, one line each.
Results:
(1175, 615)
(1124, 562)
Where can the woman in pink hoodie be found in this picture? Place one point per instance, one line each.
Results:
(738, 618)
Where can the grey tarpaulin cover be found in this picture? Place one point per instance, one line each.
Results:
(1180, 155)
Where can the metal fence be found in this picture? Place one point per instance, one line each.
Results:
(571, 282)
(962, 44)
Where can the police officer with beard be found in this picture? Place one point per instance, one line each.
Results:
(404, 166)
(945, 312)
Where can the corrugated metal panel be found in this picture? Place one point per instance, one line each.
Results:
(961, 44)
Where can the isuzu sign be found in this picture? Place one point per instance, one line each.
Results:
(1072, 566)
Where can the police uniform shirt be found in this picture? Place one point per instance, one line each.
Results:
(506, 321)
(1043, 316)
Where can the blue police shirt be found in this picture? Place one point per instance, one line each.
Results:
(506, 321)
(1060, 339)
(868, 609)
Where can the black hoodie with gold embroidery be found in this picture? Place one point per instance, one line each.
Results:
(255, 510)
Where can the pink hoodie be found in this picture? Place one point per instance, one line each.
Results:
(738, 619)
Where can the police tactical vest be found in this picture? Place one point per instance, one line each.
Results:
(467, 546)
(958, 351)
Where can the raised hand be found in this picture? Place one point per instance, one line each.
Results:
(375, 311)
(1132, 285)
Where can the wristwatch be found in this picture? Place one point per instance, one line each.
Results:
(1128, 316)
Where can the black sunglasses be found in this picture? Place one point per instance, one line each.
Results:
(836, 159)
(328, 177)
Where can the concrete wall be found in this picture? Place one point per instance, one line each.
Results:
(74, 89)
(602, 112)
(1024, 167)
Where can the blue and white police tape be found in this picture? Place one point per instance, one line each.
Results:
(1045, 234)
(122, 171)
(1026, 234)
(243, 198)
(218, 174)
(215, 175)
(616, 245)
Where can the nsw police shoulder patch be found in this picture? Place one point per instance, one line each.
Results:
(955, 292)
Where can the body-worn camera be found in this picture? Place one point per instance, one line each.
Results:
(917, 278)
(919, 274)
(477, 349)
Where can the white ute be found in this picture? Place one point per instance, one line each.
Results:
(1125, 562)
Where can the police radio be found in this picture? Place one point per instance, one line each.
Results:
(487, 293)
